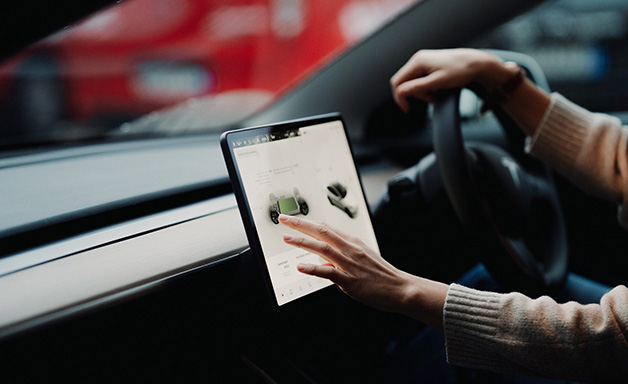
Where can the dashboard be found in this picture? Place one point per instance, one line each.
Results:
(106, 265)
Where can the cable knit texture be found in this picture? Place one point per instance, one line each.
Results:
(512, 333)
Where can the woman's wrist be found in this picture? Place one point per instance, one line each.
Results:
(505, 90)
(492, 73)
(505, 85)
(424, 299)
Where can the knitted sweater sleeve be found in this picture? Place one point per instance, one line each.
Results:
(515, 334)
(512, 333)
(588, 148)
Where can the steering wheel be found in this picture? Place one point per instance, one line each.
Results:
(508, 204)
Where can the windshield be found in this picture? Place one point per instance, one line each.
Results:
(171, 67)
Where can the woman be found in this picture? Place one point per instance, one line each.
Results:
(501, 332)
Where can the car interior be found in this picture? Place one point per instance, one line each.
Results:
(126, 258)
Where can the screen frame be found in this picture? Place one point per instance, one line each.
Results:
(244, 208)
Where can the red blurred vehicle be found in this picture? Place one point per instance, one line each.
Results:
(126, 62)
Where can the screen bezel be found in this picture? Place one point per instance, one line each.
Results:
(226, 139)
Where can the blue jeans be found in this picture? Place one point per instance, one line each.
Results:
(419, 355)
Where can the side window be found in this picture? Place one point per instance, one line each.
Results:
(581, 46)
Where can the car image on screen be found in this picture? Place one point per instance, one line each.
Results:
(286, 203)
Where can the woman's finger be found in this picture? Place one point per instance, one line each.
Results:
(318, 230)
(402, 76)
(413, 68)
(321, 248)
(415, 88)
(323, 271)
(425, 87)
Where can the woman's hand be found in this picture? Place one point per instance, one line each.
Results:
(430, 71)
(363, 274)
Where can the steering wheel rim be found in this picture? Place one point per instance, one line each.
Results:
(463, 169)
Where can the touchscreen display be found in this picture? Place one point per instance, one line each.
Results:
(309, 172)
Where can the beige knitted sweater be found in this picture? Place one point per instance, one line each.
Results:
(515, 334)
